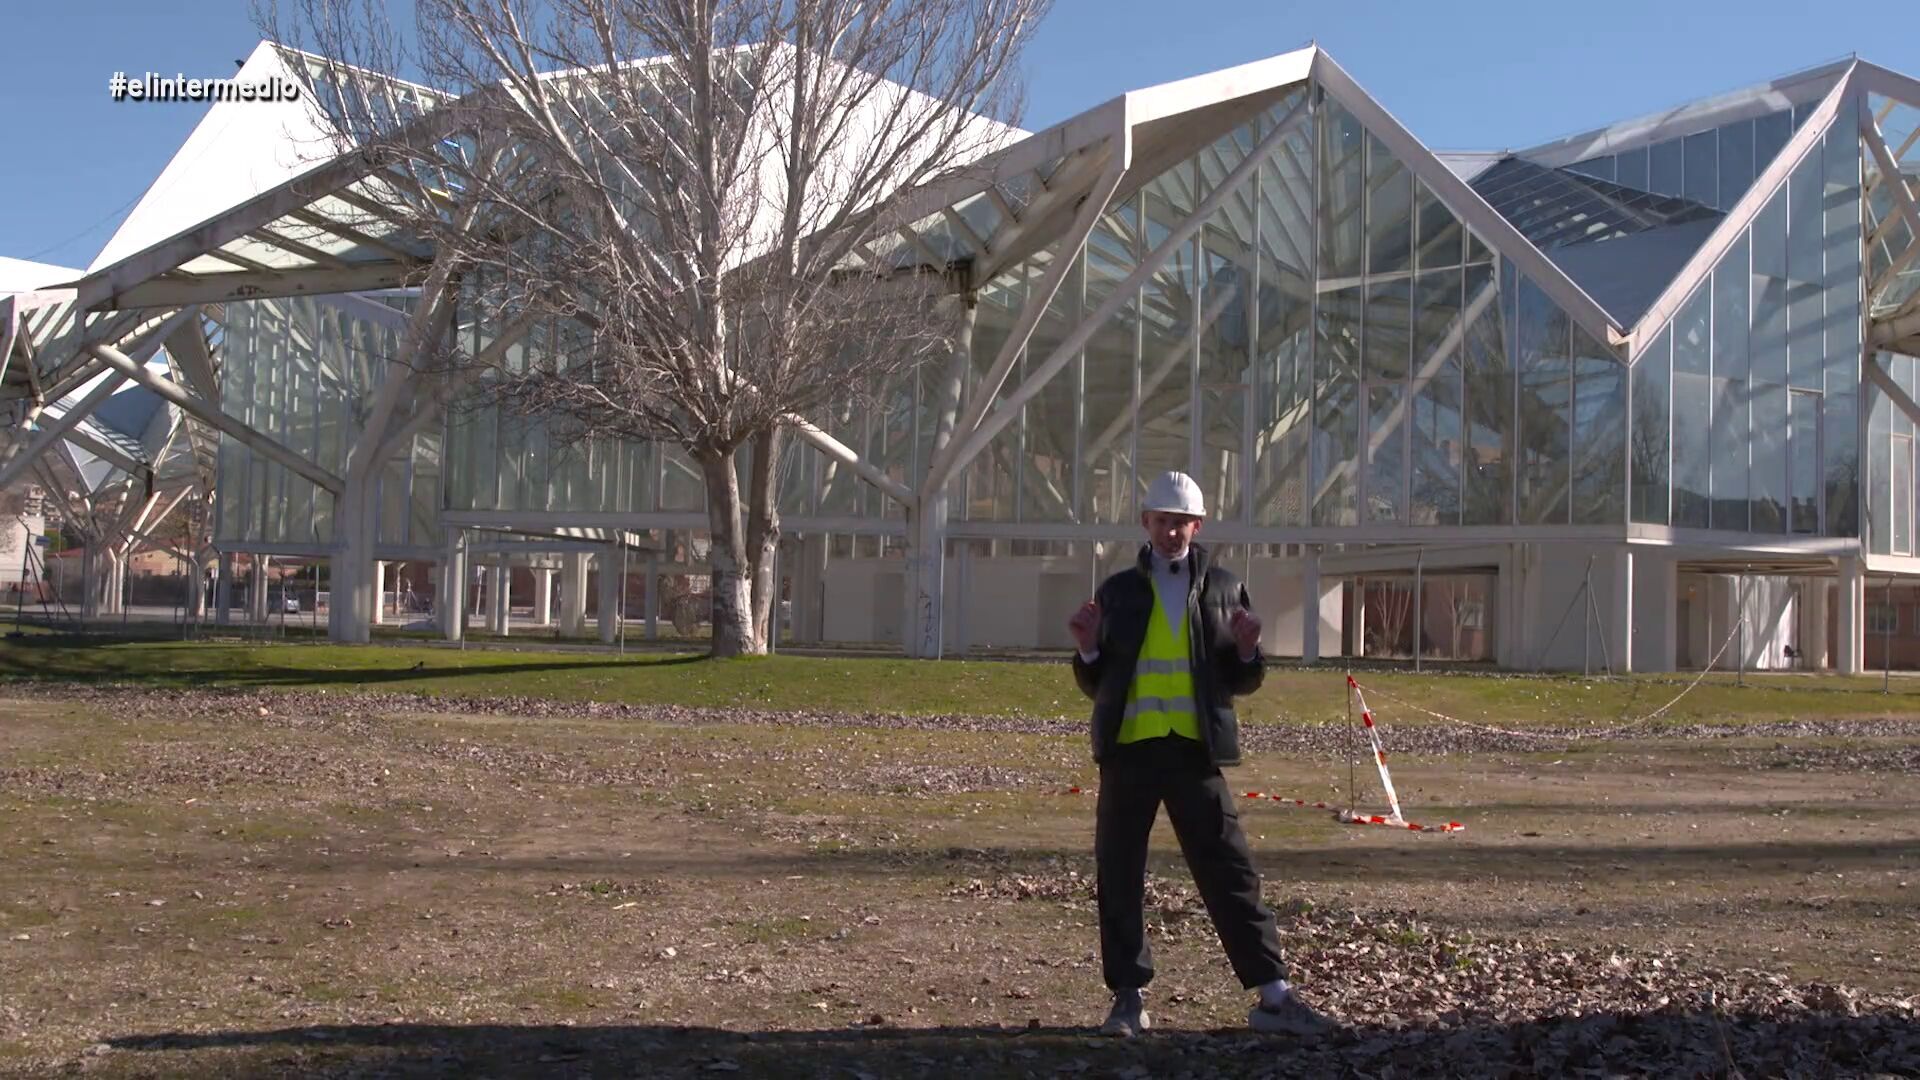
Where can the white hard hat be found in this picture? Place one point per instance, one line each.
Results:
(1175, 493)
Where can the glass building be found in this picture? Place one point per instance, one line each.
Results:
(1638, 398)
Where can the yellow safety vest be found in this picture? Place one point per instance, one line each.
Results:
(1160, 701)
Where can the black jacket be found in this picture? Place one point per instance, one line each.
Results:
(1219, 675)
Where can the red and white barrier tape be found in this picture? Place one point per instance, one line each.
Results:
(1572, 735)
(1379, 752)
(1394, 820)
(1351, 818)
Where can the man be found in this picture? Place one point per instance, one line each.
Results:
(1164, 648)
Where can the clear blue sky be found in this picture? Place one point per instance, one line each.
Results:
(1461, 76)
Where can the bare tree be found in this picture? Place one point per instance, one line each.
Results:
(697, 202)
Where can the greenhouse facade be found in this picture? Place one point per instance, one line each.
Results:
(1642, 398)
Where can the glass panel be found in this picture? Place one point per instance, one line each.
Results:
(1769, 342)
(1599, 434)
(1436, 313)
(1387, 338)
(1436, 449)
(1840, 464)
(1805, 275)
(1336, 412)
(513, 460)
(1632, 170)
(1770, 135)
(1052, 419)
(1841, 224)
(892, 452)
(989, 483)
(1692, 399)
(1701, 154)
(1600, 168)
(1839, 448)
(1691, 335)
(1227, 245)
(1652, 401)
(683, 489)
(1440, 233)
(796, 475)
(1664, 167)
(1768, 478)
(1489, 389)
(1803, 463)
(1728, 452)
(1730, 328)
(1284, 382)
(1545, 408)
(1386, 479)
(836, 486)
(486, 448)
(1736, 163)
(391, 498)
(1477, 250)
(1902, 473)
(1879, 466)
(1902, 369)
(1166, 353)
(1106, 482)
(1389, 211)
(1342, 189)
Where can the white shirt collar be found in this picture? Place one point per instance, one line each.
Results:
(1164, 565)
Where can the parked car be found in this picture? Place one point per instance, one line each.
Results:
(290, 604)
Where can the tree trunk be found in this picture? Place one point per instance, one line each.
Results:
(732, 584)
(763, 532)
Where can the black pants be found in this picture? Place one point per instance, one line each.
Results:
(1134, 781)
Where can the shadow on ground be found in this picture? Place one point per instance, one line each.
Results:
(1692, 1043)
(53, 660)
(1443, 860)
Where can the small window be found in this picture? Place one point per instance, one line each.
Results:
(1472, 615)
(1882, 619)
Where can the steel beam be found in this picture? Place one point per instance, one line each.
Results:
(172, 392)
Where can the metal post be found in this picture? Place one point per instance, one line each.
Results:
(1740, 606)
(1360, 619)
(1586, 622)
(1886, 642)
(461, 613)
(26, 556)
(1352, 746)
(653, 597)
(1419, 588)
(623, 593)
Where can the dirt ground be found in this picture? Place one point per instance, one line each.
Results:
(251, 885)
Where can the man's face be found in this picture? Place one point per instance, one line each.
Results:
(1170, 533)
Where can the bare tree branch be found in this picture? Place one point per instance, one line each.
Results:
(686, 191)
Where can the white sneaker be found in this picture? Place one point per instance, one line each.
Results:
(1128, 1016)
(1290, 1016)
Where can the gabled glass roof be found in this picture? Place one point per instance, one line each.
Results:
(1558, 207)
(1620, 244)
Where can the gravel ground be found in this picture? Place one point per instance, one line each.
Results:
(1418, 998)
(359, 712)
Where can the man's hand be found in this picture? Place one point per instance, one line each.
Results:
(1245, 627)
(1085, 626)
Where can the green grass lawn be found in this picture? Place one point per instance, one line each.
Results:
(895, 685)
